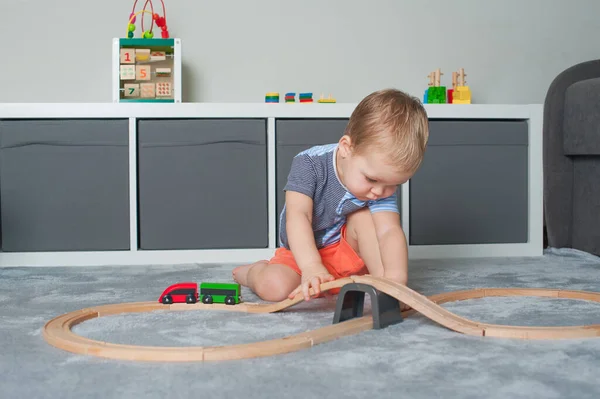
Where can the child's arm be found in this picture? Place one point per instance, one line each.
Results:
(392, 246)
(299, 210)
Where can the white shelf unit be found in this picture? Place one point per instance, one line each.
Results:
(531, 113)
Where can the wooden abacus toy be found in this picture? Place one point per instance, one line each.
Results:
(161, 22)
(147, 69)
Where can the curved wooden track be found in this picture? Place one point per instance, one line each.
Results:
(57, 332)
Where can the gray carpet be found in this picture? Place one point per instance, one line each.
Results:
(416, 358)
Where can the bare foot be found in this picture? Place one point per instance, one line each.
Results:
(240, 273)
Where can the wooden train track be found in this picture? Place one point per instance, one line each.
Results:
(57, 332)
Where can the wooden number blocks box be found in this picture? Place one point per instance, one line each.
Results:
(146, 70)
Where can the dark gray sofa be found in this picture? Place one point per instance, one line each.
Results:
(572, 159)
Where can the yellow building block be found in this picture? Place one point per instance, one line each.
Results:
(461, 95)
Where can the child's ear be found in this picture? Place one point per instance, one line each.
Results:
(345, 146)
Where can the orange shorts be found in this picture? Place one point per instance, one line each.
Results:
(339, 259)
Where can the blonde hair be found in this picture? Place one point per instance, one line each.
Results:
(392, 122)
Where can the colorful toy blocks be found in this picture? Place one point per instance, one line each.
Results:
(272, 97)
(290, 97)
(306, 97)
(461, 93)
(328, 100)
(437, 94)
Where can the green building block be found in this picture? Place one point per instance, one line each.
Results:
(436, 95)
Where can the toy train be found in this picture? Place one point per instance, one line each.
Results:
(227, 293)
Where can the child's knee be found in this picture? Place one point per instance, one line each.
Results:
(275, 283)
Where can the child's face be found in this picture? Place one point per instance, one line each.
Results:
(368, 176)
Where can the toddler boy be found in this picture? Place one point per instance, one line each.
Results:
(340, 216)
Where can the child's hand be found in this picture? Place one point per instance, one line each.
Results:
(313, 280)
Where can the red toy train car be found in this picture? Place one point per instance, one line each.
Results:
(180, 293)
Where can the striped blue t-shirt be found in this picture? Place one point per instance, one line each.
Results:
(313, 173)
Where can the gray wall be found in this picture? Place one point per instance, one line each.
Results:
(237, 50)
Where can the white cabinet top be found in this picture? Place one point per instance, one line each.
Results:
(248, 110)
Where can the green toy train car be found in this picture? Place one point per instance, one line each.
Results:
(227, 293)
